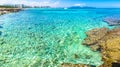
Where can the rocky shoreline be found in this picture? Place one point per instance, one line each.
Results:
(104, 40)
(6, 11)
(107, 42)
(9, 10)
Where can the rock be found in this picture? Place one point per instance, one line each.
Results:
(107, 42)
(115, 64)
(9, 10)
(112, 21)
(95, 47)
(95, 35)
(0, 33)
(111, 52)
(74, 65)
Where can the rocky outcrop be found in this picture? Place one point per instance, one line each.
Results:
(107, 42)
(8, 10)
(112, 21)
(95, 35)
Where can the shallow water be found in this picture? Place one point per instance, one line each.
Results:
(49, 37)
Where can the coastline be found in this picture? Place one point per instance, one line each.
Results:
(9, 10)
(107, 42)
(102, 33)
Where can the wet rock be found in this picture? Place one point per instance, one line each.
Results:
(95, 47)
(115, 64)
(9, 10)
(107, 42)
(112, 21)
(95, 35)
(74, 65)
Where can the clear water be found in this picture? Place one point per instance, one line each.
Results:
(49, 37)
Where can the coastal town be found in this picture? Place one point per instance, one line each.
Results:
(5, 9)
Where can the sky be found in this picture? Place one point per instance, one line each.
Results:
(65, 3)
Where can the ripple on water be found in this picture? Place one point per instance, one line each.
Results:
(54, 40)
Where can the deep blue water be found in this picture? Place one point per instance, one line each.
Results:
(49, 37)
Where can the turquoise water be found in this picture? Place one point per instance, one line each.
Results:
(49, 37)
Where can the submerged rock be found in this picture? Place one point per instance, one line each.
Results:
(112, 21)
(1, 27)
(74, 65)
(0, 32)
(95, 35)
(107, 42)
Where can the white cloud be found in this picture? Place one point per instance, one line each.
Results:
(80, 4)
(30, 3)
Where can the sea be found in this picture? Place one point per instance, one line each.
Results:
(49, 37)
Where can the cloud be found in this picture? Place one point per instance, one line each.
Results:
(80, 4)
(30, 3)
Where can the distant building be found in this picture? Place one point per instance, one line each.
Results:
(45, 7)
(41, 6)
(24, 6)
(18, 5)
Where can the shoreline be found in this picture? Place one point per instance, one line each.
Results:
(107, 42)
(9, 10)
(97, 40)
